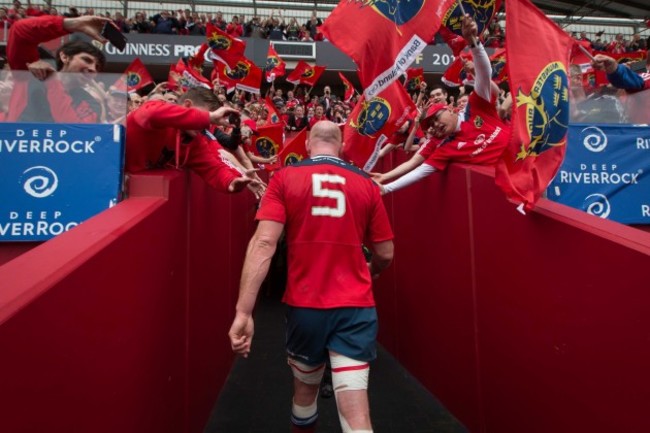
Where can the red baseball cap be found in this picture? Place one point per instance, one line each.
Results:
(431, 112)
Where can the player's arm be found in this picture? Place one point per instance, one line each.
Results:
(382, 257)
(256, 265)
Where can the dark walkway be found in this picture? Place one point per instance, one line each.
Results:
(257, 394)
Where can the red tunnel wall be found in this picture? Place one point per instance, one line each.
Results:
(114, 327)
(516, 323)
(534, 323)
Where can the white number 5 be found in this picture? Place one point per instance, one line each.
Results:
(318, 191)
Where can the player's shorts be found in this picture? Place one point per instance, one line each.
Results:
(312, 333)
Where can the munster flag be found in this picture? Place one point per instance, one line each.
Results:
(137, 76)
(184, 77)
(498, 63)
(223, 47)
(372, 122)
(275, 67)
(274, 117)
(414, 76)
(538, 74)
(293, 151)
(456, 74)
(349, 88)
(268, 141)
(383, 37)
(304, 73)
(482, 12)
(245, 76)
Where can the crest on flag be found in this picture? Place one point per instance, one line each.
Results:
(546, 110)
(481, 11)
(133, 79)
(266, 146)
(239, 72)
(398, 11)
(372, 117)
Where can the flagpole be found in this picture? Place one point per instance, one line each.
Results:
(587, 53)
(462, 10)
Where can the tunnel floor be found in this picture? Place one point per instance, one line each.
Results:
(256, 397)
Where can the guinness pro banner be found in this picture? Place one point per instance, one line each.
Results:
(55, 176)
(606, 172)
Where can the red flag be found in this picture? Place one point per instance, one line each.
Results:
(223, 47)
(293, 151)
(398, 31)
(372, 122)
(275, 66)
(274, 117)
(137, 76)
(245, 75)
(184, 77)
(414, 76)
(482, 12)
(456, 75)
(540, 88)
(498, 62)
(268, 141)
(305, 74)
(349, 88)
(198, 59)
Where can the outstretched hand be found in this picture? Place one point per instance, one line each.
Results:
(40, 69)
(89, 24)
(604, 63)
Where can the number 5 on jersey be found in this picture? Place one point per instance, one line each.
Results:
(318, 190)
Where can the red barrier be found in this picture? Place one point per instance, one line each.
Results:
(115, 326)
(532, 323)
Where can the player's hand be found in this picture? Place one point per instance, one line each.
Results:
(40, 69)
(88, 24)
(241, 334)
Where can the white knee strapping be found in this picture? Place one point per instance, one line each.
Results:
(349, 374)
(306, 373)
(347, 429)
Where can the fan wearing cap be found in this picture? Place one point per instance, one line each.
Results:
(475, 136)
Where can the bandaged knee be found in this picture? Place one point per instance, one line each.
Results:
(307, 374)
(349, 374)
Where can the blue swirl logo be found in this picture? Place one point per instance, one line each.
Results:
(597, 205)
(39, 181)
(595, 139)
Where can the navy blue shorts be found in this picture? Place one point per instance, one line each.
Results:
(312, 333)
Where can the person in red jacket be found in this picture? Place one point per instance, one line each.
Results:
(31, 100)
(160, 134)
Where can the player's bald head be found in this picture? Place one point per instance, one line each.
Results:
(325, 137)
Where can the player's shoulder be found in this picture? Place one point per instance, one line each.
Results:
(328, 161)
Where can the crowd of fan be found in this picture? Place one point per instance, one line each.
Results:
(618, 45)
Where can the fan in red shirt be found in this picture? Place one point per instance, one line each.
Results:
(31, 100)
(475, 136)
(328, 208)
(160, 133)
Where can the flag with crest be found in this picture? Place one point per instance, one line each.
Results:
(223, 47)
(414, 76)
(540, 90)
(452, 22)
(293, 151)
(372, 122)
(245, 76)
(137, 76)
(184, 77)
(274, 117)
(399, 30)
(275, 67)
(268, 141)
(306, 74)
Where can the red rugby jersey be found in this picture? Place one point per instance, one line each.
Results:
(329, 209)
(481, 140)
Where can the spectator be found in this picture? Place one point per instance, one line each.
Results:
(31, 101)
(255, 29)
(218, 21)
(312, 27)
(292, 30)
(452, 129)
(275, 28)
(636, 43)
(165, 24)
(297, 120)
(121, 23)
(235, 29)
(319, 115)
(140, 25)
(617, 46)
(152, 133)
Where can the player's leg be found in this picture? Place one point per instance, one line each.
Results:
(351, 348)
(307, 354)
